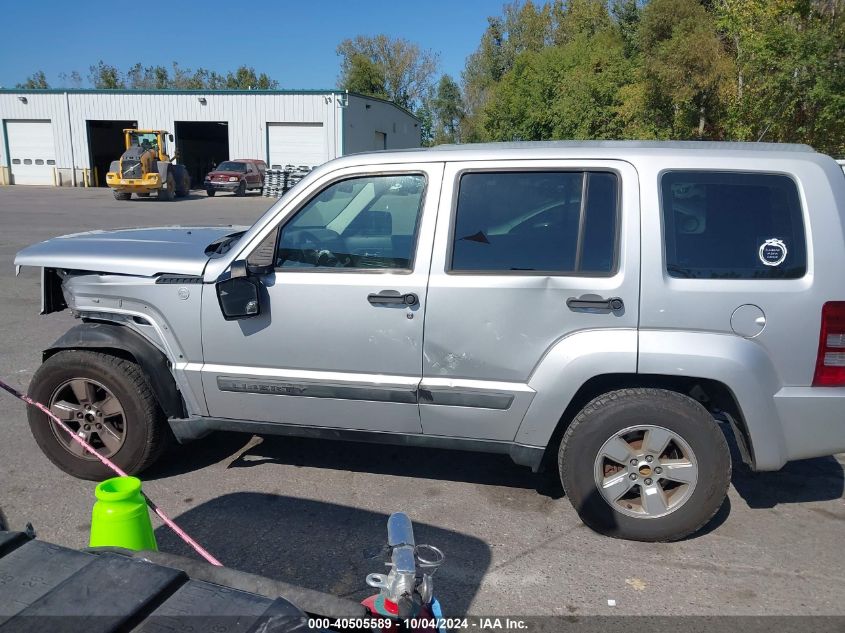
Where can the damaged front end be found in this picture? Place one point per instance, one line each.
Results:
(138, 292)
(52, 297)
(145, 253)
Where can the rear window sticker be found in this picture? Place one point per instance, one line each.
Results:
(772, 252)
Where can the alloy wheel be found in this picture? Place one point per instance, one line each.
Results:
(93, 413)
(646, 471)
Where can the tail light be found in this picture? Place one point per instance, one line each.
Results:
(830, 363)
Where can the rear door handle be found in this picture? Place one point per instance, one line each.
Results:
(597, 303)
(393, 297)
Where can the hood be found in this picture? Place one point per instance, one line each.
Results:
(144, 252)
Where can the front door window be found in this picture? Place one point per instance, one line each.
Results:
(358, 223)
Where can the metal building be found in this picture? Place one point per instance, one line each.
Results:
(69, 137)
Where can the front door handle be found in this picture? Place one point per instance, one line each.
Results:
(393, 297)
(597, 303)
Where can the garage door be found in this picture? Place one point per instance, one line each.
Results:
(297, 144)
(31, 152)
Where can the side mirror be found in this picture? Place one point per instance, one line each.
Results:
(238, 296)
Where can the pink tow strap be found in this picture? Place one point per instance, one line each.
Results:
(167, 520)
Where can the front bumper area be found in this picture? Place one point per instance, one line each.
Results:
(222, 186)
(148, 184)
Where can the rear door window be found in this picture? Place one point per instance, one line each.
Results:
(552, 222)
(731, 225)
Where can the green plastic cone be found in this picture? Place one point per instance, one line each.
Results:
(120, 517)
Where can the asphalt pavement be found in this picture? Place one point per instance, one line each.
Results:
(313, 512)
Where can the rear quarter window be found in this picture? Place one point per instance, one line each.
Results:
(732, 225)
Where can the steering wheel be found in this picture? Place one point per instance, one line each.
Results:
(309, 245)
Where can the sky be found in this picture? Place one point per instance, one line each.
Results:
(293, 42)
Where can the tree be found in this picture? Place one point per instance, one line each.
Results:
(138, 77)
(484, 69)
(708, 69)
(523, 27)
(36, 81)
(790, 81)
(71, 80)
(528, 28)
(199, 79)
(578, 17)
(448, 111)
(626, 14)
(685, 75)
(148, 78)
(392, 68)
(104, 76)
(366, 77)
(562, 92)
(426, 118)
(244, 78)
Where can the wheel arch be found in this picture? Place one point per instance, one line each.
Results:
(714, 395)
(122, 342)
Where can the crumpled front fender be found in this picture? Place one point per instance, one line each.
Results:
(108, 337)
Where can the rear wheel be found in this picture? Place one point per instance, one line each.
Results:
(166, 193)
(241, 191)
(645, 464)
(121, 195)
(105, 400)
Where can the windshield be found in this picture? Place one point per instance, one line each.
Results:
(228, 165)
(147, 141)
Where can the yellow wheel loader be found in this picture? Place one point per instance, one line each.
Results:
(146, 168)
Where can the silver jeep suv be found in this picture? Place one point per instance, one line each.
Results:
(602, 307)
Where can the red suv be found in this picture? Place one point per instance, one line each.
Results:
(237, 176)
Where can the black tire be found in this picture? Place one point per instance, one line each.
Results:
(121, 195)
(210, 192)
(616, 411)
(184, 187)
(146, 434)
(166, 193)
(241, 191)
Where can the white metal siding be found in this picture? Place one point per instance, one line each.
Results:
(32, 152)
(44, 107)
(297, 144)
(366, 120)
(247, 115)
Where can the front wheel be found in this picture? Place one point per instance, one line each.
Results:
(210, 192)
(108, 402)
(121, 195)
(241, 189)
(645, 465)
